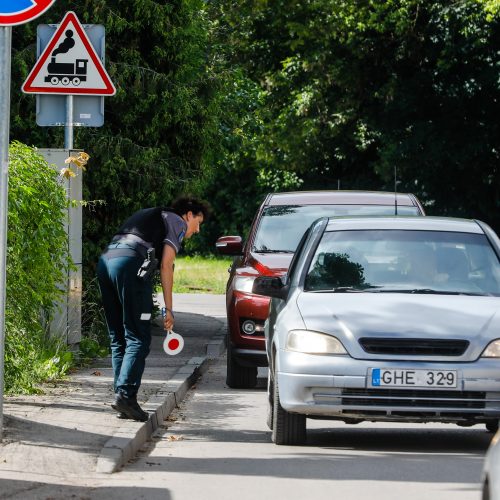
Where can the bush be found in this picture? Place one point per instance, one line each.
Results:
(37, 262)
(95, 339)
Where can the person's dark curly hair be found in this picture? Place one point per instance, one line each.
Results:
(185, 204)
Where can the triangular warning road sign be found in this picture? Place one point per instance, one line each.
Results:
(69, 64)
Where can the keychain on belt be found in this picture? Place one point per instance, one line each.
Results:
(173, 343)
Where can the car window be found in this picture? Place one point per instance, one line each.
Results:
(413, 261)
(281, 227)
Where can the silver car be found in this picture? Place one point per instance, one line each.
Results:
(385, 318)
(491, 471)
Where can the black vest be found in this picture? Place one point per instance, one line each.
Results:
(147, 224)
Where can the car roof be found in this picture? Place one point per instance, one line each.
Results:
(340, 198)
(404, 223)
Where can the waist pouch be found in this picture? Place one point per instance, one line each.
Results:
(149, 266)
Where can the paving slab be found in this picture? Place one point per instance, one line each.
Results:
(71, 430)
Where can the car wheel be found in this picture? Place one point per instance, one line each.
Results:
(288, 428)
(270, 403)
(238, 376)
(492, 426)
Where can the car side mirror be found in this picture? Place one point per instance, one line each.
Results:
(230, 245)
(271, 287)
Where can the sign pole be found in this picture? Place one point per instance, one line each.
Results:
(5, 57)
(9, 17)
(68, 128)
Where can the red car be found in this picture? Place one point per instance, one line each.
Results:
(275, 233)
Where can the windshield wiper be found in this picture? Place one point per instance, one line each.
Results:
(430, 291)
(267, 250)
(346, 289)
(385, 289)
(410, 290)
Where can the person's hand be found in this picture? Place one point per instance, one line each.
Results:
(168, 321)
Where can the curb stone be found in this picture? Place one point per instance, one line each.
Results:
(216, 346)
(131, 436)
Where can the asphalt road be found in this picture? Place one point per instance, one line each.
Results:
(217, 447)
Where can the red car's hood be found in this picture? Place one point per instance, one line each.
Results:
(270, 264)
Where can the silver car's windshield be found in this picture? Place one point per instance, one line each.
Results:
(281, 227)
(404, 261)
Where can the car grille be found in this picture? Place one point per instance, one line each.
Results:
(414, 347)
(411, 398)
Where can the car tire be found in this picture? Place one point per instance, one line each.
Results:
(288, 428)
(492, 426)
(270, 401)
(486, 490)
(238, 376)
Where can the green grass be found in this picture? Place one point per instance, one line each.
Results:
(201, 274)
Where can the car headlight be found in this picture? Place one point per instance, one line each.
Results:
(313, 343)
(244, 283)
(493, 350)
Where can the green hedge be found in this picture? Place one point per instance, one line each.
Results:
(37, 261)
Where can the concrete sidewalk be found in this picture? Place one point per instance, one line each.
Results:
(71, 429)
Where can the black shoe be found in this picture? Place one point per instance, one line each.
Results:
(115, 404)
(130, 408)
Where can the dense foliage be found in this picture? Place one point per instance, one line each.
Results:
(160, 129)
(37, 262)
(235, 99)
(351, 90)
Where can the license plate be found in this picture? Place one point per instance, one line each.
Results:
(382, 377)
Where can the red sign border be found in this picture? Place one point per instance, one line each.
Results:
(27, 85)
(28, 15)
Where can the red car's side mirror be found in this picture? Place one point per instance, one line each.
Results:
(230, 245)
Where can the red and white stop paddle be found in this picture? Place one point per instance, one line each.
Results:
(173, 343)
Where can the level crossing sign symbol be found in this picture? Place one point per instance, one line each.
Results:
(69, 64)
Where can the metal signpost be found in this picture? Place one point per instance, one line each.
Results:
(5, 55)
(12, 12)
(69, 65)
(52, 109)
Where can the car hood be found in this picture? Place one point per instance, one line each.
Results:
(351, 316)
(271, 264)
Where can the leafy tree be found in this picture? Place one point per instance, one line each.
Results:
(161, 128)
(243, 172)
(236, 99)
(353, 89)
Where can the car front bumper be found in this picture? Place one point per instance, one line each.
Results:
(249, 306)
(338, 387)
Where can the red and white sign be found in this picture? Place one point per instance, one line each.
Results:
(173, 343)
(69, 65)
(14, 12)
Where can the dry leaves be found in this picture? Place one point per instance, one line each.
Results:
(174, 438)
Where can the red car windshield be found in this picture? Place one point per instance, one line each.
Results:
(281, 227)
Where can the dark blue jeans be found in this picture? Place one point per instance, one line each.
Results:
(128, 304)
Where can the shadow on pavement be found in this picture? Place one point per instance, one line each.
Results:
(345, 467)
(341, 452)
(33, 433)
(28, 490)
